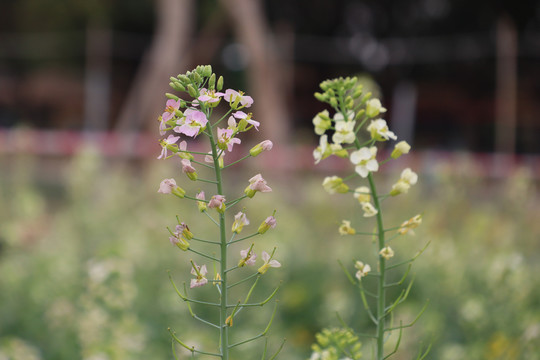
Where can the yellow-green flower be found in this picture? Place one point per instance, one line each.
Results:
(334, 184)
(401, 148)
(346, 229)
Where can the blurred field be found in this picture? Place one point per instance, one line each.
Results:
(84, 254)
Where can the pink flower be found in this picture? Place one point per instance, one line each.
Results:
(240, 220)
(186, 166)
(188, 169)
(226, 140)
(233, 96)
(199, 272)
(265, 145)
(209, 96)
(178, 239)
(247, 117)
(257, 183)
(167, 142)
(248, 257)
(194, 121)
(167, 186)
(170, 108)
(182, 151)
(268, 263)
(201, 204)
(217, 202)
(183, 229)
(269, 223)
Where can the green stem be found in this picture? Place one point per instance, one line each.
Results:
(223, 328)
(237, 161)
(381, 290)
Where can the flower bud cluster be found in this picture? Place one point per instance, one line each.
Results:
(357, 115)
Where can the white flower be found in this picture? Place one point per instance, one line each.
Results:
(412, 223)
(401, 148)
(322, 122)
(322, 151)
(363, 194)
(339, 116)
(386, 252)
(344, 132)
(379, 130)
(374, 107)
(369, 210)
(408, 178)
(325, 150)
(346, 229)
(363, 269)
(364, 159)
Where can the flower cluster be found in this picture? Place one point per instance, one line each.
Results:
(189, 117)
(358, 132)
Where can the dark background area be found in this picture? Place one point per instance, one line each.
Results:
(440, 54)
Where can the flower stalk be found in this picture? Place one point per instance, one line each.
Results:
(356, 111)
(191, 118)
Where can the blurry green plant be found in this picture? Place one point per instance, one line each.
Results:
(61, 218)
(191, 118)
(353, 109)
(336, 344)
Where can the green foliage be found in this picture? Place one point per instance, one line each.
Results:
(336, 344)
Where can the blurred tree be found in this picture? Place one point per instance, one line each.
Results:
(168, 55)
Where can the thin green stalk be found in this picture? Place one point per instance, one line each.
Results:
(381, 290)
(237, 161)
(223, 328)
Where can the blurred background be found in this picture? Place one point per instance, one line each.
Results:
(83, 240)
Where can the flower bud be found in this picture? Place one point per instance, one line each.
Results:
(207, 70)
(320, 97)
(401, 148)
(212, 82)
(219, 85)
(197, 78)
(229, 321)
(357, 92)
(184, 79)
(266, 145)
(172, 96)
(192, 92)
